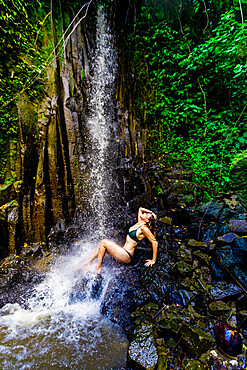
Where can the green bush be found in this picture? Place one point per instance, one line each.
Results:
(192, 86)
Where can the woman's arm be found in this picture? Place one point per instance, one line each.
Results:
(142, 210)
(154, 242)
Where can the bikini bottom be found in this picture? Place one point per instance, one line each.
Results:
(128, 254)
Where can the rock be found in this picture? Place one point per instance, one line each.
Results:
(12, 220)
(210, 234)
(240, 245)
(196, 340)
(241, 277)
(191, 364)
(197, 244)
(166, 220)
(233, 255)
(227, 238)
(228, 339)
(202, 256)
(211, 211)
(147, 312)
(223, 290)
(17, 280)
(180, 232)
(35, 250)
(182, 187)
(238, 226)
(189, 199)
(44, 264)
(181, 216)
(171, 325)
(182, 267)
(219, 307)
(180, 175)
(184, 254)
(186, 296)
(228, 257)
(142, 352)
(164, 355)
(121, 298)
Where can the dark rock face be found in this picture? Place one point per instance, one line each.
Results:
(194, 285)
(171, 309)
(17, 280)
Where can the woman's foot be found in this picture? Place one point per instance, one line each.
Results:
(98, 270)
(85, 265)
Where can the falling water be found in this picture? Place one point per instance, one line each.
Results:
(100, 124)
(61, 325)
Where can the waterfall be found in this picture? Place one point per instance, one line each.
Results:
(100, 124)
(60, 325)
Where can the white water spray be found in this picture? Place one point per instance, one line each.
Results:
(61, 326)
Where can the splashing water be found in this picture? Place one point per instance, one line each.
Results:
(61, 325)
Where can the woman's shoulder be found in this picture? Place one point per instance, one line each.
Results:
(144, 227)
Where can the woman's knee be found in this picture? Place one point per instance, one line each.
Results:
(103, 243)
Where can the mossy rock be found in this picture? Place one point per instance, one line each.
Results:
(192, 364)
(196, 340)
(182, 268)
(171, 325)
(142, 352)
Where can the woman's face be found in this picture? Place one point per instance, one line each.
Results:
(146, 217)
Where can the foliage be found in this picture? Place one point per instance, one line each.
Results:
(191, 86)
(21, 64)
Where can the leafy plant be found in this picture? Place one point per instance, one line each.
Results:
(191, 87)
(21, 65)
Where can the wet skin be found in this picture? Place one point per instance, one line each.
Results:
(118, 252)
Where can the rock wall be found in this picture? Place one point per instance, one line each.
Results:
(52, 147)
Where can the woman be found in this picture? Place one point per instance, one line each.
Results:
(137, 232)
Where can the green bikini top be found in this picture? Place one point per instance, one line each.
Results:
(132, 235)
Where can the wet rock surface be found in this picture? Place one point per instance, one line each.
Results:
(188, 311)
(18, 274)
(194, 298)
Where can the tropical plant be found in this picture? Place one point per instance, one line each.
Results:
(191, 88)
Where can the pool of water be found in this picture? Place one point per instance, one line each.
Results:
(61, 325)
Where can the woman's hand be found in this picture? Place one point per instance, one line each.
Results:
(154, 215)
(150, 262)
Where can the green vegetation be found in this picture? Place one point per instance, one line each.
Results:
(188, 69)
(191, 85)
(21, 65)
(28, 33)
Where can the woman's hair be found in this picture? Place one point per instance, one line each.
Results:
(151, 223)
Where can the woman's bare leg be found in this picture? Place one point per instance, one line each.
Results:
(93, 256)
(101, 255)
(112, 249)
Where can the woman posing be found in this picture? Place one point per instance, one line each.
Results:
(137, 232)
